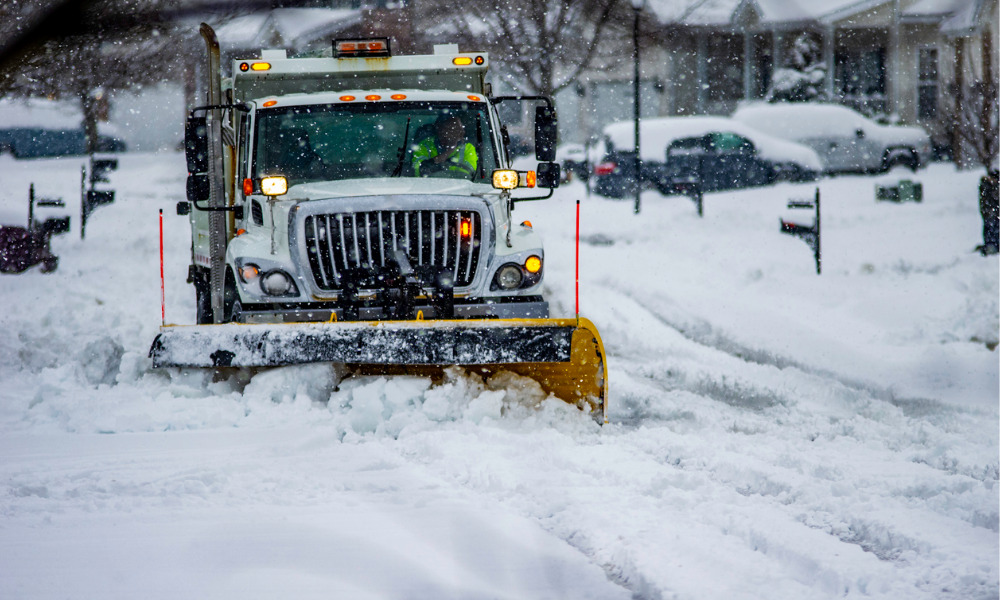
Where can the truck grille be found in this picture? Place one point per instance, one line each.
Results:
(368, 240)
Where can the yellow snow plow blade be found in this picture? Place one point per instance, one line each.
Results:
(565, 356)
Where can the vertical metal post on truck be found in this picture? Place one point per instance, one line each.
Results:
(216, 219)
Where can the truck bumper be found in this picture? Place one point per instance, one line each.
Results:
(323, 312)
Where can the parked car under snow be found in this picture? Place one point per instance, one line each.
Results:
(717, 152)
(43, 128)
(845, 140)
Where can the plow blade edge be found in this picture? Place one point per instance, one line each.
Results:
(565, 356)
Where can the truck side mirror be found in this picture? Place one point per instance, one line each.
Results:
(547, 175)
(198, 187)
(545, 133)
(196, 144)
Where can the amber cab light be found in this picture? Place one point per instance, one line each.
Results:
(462, 60)
(533, 264)
(260, 66)
(249, 272)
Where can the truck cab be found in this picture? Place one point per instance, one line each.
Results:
(364, 186)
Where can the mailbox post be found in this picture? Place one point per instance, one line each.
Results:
(91, 198)
(809, 234)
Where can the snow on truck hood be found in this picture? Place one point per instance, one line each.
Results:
(386, 186)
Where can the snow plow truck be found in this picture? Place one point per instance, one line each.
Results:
(356, 209)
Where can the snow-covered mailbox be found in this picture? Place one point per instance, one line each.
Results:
(810, 233)
(24, 247)
(91, 198)
(904, 191)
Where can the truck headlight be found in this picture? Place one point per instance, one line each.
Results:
(277, 283)
(509, 277)
(274, 186)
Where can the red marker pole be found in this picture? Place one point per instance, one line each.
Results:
(163, 303)
(578, 260)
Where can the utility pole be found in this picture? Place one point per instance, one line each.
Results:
(637, 5)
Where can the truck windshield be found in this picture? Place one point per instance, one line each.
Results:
(375, 139)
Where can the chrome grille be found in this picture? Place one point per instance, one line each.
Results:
(368, 240)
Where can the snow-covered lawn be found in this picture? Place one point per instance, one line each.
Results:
(775, 434)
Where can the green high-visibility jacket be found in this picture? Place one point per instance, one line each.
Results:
(463, 160)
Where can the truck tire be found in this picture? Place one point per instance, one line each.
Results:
(203, 302)
(232, 308)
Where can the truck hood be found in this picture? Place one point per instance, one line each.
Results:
(386, 186)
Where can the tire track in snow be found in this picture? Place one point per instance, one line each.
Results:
(916, 429)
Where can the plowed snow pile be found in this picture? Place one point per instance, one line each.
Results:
(775, 434)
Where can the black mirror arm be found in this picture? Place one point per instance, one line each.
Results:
(236, 208)
(545, 197)
(244, 106)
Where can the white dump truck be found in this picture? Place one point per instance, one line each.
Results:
(356, 209)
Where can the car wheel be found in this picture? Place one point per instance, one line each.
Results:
(899, 157)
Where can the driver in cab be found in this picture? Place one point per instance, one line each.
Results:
(446, 151)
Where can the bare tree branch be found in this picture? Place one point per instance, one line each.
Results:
(539, 46)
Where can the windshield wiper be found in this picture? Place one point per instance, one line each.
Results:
(402, 150)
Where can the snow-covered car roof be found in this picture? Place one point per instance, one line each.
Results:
(570, 152)
(39, 113)
(658, 133)
(809, 120)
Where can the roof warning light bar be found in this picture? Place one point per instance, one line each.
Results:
(362, 48)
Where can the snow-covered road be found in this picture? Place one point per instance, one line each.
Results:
(775, 434)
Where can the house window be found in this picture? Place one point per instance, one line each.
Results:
(861, 79)
(724, 68)
(927, 83)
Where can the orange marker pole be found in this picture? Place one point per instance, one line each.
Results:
(163, 303)
(578, 260)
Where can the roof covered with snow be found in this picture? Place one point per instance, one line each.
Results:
(956, 14)
(693, 12)
(40, 113)
(965, 19)
(287, 27)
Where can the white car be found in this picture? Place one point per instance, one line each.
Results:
(845, 140)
